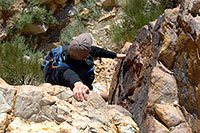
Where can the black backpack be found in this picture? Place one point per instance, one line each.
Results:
(51, 65)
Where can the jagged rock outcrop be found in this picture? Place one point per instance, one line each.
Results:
(48, 108)
(158, 81)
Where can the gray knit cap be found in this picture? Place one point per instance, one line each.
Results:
(81, 44)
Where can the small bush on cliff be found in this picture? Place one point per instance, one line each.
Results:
(18, 64)
(137, 14)
(73, 29)
(5, 4)
(33, 13)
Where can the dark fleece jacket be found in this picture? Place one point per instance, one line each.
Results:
(78, 70)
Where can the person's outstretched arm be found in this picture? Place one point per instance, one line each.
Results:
(101, 52)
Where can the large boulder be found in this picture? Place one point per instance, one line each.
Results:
(158, 81)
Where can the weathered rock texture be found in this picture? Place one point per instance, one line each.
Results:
(159, 80)
(48, 108)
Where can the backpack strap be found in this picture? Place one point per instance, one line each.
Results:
(92, 69)
(59, 59)
(59, 55)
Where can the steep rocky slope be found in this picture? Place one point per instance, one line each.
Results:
(158, 82)
(48, 108)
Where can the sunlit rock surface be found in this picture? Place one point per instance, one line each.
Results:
(48, 108)
(158, 81)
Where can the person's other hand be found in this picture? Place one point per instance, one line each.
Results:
(121, 56)
(80, 91)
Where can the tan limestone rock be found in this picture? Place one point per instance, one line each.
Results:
(167, 53)
(182, 128)
(9, 93)
(126, 47)
(66, 127)
(169, 114)
(104, 68)
(28, 103)
(121, 122)
(163, 87)
(47, 108)
(3, 121)
(20, 126)
(153, 125)
(4, 106)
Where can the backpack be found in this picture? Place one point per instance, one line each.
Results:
(52, 63)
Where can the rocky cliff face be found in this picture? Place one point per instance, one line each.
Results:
(158, 81)
(48, 108)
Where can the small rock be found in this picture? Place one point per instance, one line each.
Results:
(108, 3)
(35, 29)
(169, 114)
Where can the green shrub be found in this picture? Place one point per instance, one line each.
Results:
(73, 29)
(18, 64)
(34, 13)
(124, 30)
(5, 4)
(137, 14)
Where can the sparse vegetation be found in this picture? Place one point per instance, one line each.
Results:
(33, 13)
(73, 29)
(137, 13)
(18, 64)
(5, 4)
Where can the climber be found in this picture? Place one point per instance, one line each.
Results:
(77, 70)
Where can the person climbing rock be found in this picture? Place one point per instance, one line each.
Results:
(73, 67)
